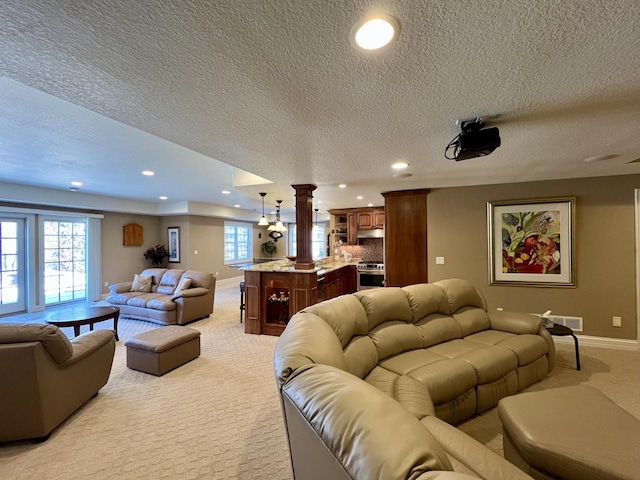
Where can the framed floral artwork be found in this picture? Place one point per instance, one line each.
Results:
(531, 242)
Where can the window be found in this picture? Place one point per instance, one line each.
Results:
(318, 240)
(237, 242)
(65, 272)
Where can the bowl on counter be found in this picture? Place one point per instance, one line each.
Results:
(291, 258)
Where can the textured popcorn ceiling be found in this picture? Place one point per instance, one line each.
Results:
(96, 91)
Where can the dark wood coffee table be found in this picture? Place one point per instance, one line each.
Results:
(84, 315)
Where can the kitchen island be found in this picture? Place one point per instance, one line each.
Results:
(277, 290)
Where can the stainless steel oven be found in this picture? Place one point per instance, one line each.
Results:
(370, 275)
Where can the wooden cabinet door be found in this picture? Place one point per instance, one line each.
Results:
(365, 220)
(406, 237)
(378, 219)
(352, 229)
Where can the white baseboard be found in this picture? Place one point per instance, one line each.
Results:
(602, 342)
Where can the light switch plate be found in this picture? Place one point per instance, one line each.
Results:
(439, 260)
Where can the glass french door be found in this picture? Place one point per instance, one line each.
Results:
(65, 266)
(12, 266)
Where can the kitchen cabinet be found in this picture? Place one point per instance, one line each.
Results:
(352, 229)
(346, 222)
(339, 282)
(406, 237)
(370, 220)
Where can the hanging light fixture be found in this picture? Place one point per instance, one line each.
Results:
(263, 220)
(278, 226)
(315, 224)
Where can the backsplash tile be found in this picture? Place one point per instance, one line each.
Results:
(370, 250)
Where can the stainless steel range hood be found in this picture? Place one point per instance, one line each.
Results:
(375, 233)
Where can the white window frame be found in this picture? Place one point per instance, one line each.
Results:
(237, 259)
(317, 246)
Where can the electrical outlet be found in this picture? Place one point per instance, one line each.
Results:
(216, 274)
(195, 252)
(106, 284)
(500, 309)
(439, 260)
(617, 321)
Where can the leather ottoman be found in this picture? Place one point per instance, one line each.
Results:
(161, 350)
(570, 433)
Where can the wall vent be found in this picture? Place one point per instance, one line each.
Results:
(574, 323)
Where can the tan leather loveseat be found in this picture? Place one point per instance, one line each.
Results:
(164, 303)
(44, 377)
(375, 380)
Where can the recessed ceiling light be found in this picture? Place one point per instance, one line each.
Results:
(359, 197)
(148, 173)
(342, 185)
(319, 201)
(226, 192)
(402, 175)
(76, 184)
(375, 32)
(163, 197)
(369, 204)
(600, 158)
(399, 165)
(237, 206)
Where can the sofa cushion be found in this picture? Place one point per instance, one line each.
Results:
(407, 391)
(200, 279)
(163, 302)
(461, 293)
(384, 304)
(360, 355)
(491, 363)
(122, 298)
(425, 299)
(169, 281)
(141, 283)
(55, 342)
(142, 300)
(393, 337)
(446, 379)
(472, 320)
(437, 328)
(528, 348)
(155, 273)
(345, 315)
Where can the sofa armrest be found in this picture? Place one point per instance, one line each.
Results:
(515, 322)
(369, 433)
(87, 343)
(120, 288)
(191, 292)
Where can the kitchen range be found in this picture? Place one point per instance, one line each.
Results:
(370, 275)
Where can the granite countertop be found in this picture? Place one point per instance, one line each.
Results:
(323, 266)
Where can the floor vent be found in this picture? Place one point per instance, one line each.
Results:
(574, 323)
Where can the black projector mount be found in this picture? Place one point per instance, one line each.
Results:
(473, 140)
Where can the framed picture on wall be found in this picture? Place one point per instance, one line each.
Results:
(531, 242)
(173, 234)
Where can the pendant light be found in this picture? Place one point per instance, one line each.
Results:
(278, 226)
(315, 224)
(263, 220)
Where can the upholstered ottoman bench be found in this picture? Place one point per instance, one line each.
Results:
(570, 433)
(161, 350)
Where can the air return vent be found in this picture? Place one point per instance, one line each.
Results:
(574, 323)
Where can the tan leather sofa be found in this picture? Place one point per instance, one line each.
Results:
(163, 304)
(44, 377)
(376, 380)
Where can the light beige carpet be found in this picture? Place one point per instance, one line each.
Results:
(218, 417)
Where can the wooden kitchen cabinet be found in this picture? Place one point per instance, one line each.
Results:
(379, 219)
(339, 282)
(352, 229)
(371, 219)
(406, 237)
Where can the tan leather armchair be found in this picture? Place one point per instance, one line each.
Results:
(44, 377)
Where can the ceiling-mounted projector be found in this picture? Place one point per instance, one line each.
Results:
(473, 141)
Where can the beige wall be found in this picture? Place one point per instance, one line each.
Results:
(604, 241)
(119, 262)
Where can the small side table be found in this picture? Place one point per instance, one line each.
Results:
(562, 331)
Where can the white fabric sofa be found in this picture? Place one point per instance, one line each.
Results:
(162, 303)
(375, 380)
